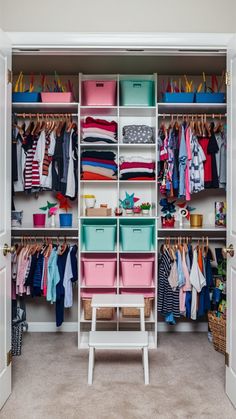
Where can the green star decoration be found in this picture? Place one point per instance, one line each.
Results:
(48, 206)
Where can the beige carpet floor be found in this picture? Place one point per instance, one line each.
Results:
(50, 381)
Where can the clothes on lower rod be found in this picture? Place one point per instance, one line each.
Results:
(49, 272)
(184, 282)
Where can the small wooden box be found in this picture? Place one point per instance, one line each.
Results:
(98, 212)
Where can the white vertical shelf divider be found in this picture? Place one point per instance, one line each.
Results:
(156, 212)
(120, 115)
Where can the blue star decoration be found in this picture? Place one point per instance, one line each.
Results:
(129, 201)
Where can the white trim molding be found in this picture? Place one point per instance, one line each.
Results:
(147, 40)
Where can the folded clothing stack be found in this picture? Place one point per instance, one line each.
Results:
(98, 165)
(138, 134)
(99, 131)
(137, 168)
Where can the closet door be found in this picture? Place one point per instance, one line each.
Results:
(5, 219)
(231, 226)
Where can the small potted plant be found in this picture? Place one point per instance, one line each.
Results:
(66, 218)
(39, 219)
(168, 209)
(137, 210)
(145, 207)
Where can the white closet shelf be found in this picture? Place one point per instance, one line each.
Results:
(191, 107)
(210, 228)
(138, 181)
(98, 111)
(95, 145)
(147, 145)
(137, 251)
(112, 182)
(68, 107)
(141, 111)
(46, 229)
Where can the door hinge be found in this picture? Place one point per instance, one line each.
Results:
(227, 78)
(9, 358)
(9, 76)
(227, 359)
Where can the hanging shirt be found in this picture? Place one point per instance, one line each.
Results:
(198, 281)
(168, 301)
(182, 163)
(53, 276)
(221, 158)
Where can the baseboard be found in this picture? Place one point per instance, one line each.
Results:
(183, 327)
(51, 327)
(161, 327)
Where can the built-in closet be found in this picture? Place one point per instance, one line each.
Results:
(158, 68)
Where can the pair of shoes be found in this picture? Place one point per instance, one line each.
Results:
(169, 318)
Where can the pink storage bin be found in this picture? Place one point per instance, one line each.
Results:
(39, 220)
(99, 270)
(137, 271)
(56, 97)
(144, 292)
(88, 293)
(99, 92)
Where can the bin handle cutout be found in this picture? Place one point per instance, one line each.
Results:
(137, 230)
(99, 230)
(99, 265)
(99, 84)
(137, 265)
(137, 84)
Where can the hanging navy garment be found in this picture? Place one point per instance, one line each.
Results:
(38, 274)
(29, 282)
(204, 298)
(74, 264)
(60, 290)
(213, 149)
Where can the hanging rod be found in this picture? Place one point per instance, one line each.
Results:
(194, 115)
(192, 238)
(51, 114)
(44, 237)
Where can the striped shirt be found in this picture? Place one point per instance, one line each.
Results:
(168, 299)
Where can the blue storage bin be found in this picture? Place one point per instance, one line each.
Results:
(136, 93)
(178, 97)
(137, 237)
(210, 97)
(26, 97)
(99, 237)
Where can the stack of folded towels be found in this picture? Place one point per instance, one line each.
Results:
(137, 168)
(99, 131)
(98, 165)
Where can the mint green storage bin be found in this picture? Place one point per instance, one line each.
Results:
(136, 93)
(99, 237)
(137, 237)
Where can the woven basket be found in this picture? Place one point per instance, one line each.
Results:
(217, 326)
(105, 313)
(135, 312)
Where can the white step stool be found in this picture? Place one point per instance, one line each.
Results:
(119, 339)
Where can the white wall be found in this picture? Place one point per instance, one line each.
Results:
(118, 15)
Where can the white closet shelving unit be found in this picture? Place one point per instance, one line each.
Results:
(111, 191)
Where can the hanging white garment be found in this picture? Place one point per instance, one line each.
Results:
(70, 184)
(198, 281)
